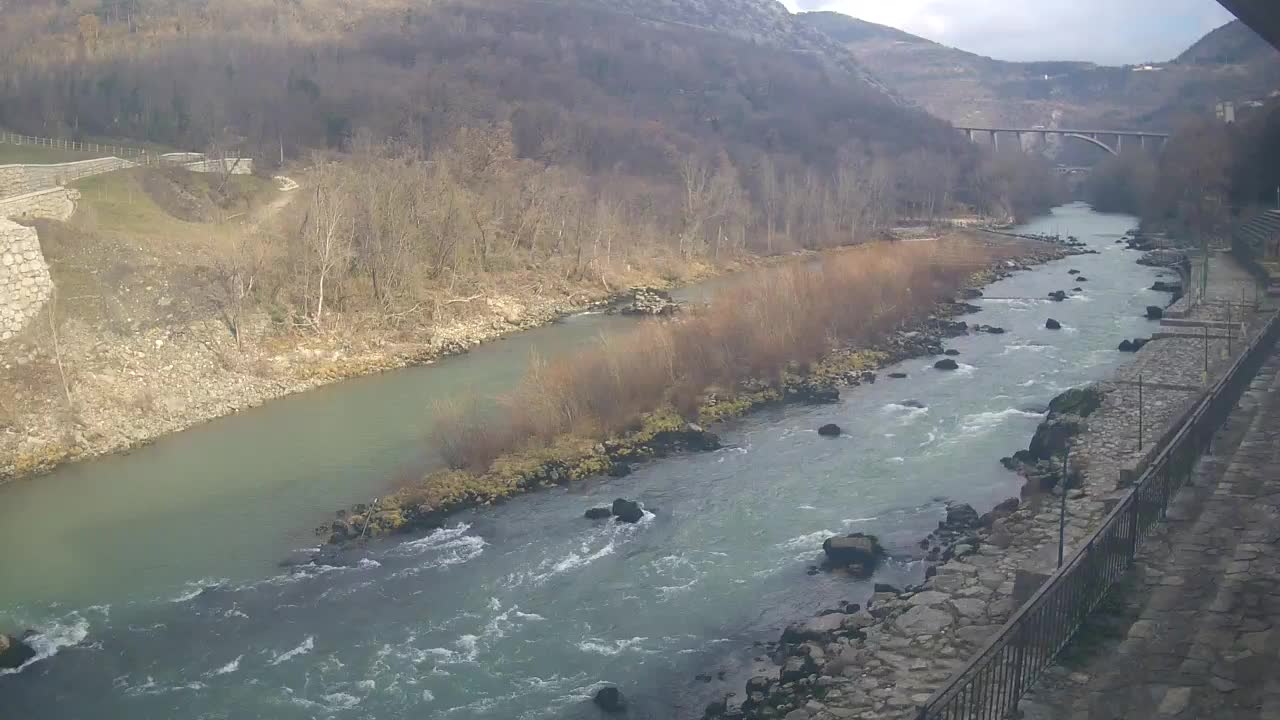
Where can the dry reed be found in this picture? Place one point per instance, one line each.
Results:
(771, 321)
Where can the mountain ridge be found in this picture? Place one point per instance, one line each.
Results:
(1229, 63)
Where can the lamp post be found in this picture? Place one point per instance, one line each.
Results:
(1062, 507)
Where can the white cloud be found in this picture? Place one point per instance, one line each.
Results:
(1103, 31)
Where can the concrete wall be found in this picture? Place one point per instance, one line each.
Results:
(25, 284)
(55, 204)
(23, 179)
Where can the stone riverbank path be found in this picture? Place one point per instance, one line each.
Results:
(1192, 633)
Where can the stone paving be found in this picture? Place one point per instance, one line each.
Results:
(1200, 640)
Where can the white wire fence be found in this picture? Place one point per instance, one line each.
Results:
(136, 154)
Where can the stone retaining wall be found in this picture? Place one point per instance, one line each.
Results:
(25, 284)
(55, 204)
(23, 179)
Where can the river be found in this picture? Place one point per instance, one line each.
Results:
(154, 575)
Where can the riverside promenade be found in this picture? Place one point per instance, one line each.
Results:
(1190, 632)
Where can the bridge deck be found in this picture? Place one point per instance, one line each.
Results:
(1067, 131)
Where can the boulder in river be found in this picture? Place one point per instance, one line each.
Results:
(598, 513)
(1154, 312)
(627, 511)
(1081, 278)
(952, 352)
(1058, 295)
(829, 430)
(989, 329)
(610, 700)
(857, 552)
(1077, 289)
(915, 404)
(947, 364)
(619, 469)
(898, 375)
(1126, 345)
(1073, 271)
(14, 652)
(1052, 324)
(1170, 287)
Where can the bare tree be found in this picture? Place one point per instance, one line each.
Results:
(327, 232)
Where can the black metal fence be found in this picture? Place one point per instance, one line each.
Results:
(991, 684)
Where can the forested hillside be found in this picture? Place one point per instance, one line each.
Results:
(723, 119)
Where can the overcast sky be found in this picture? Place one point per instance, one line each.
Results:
(1110, 32)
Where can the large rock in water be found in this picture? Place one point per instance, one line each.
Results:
(610, 700)
(598, 513)
(1052, 324)
(858, 552)
(829, 430)
(947, 364)
(1154, 312)
(14, 652)
(627, 510)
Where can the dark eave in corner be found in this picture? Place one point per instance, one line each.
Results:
(1263, 16)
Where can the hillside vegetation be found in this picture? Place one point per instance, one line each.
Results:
(453, 140)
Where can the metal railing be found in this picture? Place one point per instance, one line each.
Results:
(120, 151)
(991, 684)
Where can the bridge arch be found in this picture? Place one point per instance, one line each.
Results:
(1092, 140)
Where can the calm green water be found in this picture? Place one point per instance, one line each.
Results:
(153, 576)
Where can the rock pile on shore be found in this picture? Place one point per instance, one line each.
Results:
(649, 301)
(1040, 463)
(850, 662)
